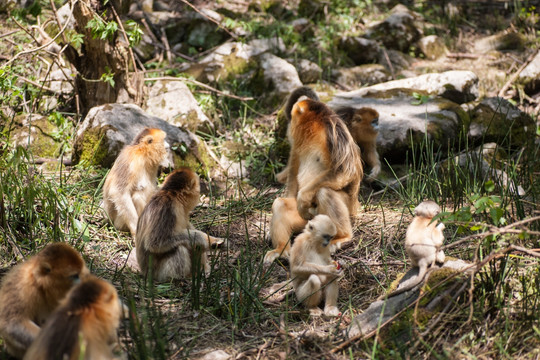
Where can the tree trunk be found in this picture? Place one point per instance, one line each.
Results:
(101, 56)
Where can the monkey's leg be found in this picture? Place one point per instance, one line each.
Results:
(309, 293)
(285, 221)
(126, 214)
(330, 202)
(372, 160)
(213, 241)
(176, 266)
(331, 292)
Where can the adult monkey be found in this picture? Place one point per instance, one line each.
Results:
(323, 174)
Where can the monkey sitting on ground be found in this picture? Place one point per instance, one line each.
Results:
(83, 327)
(423, 243)
(133, 178)
(323, 174)
(32, 290)
(166, 242)
(363, 124)
(313, 271)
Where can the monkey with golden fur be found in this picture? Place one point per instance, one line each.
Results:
(133, 178)
(83, 327)
(323, 175)
(313, 272)
(32, 290)
(166, 242)
(423, 243)
(363, 124)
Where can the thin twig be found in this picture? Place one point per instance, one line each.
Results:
(198, 83)
(209, 18)
(516, 74)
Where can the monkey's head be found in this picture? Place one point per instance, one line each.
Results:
(99, 295)
(58, 268)
(428, 209)
(185, 183)
(152, 142)
(322, 228)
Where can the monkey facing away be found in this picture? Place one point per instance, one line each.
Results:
(363, 124)
(423, 243)
(32, 290)
(83, 327)
(313, 272)
(323, 175)
(166, 242)
(133, 178)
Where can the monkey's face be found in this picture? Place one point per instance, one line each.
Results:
(322, 228)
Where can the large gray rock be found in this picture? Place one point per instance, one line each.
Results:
(231, 59)
(530, 76)
(34, 132)
(362, 75)
(398, 31)
(278, 75)
(432, 46)
(457, 86)
(381, 311)
(106, 129)
(173, 102)
(497, 120)
(406, 120)
(501, 41)
(360, 50)
(308, 71)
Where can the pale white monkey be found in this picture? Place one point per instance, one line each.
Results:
(314, 274)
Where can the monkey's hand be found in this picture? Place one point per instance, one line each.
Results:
(333, 270)
(216, 242)
(305, 204)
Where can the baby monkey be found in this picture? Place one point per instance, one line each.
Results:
(423, 242)
(314, 274)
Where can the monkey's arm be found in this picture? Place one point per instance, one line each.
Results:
(282, 176)
(307, 268)
(21, 334)
(126, 211)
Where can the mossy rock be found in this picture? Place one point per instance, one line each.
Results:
(36, 134)
(497, 120)
(108, 128)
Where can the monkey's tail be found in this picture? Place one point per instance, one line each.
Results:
(297, 94)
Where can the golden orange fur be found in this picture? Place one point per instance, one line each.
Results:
(133, 178)
(324, 174)
(166, 242)
(32, 290)
(83, 327)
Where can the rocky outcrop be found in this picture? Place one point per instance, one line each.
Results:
(497, 120)
(530, 76)
(173, 102)
(108, 128)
